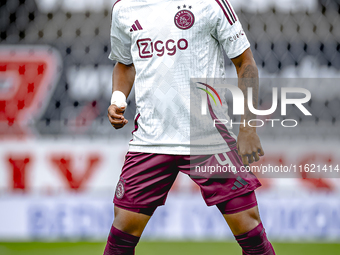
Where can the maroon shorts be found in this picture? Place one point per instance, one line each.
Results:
(146, 179)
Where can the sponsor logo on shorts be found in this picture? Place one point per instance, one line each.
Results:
(120, 190)
(239, 183)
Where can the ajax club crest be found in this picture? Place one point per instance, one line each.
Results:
(184, 19)
(120, 190)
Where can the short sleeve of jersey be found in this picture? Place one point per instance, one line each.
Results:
(120, 41)
(228, 29)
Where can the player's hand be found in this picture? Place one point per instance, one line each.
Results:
(115, 115)
(249, 146)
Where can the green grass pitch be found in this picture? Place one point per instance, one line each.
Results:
(163, 248)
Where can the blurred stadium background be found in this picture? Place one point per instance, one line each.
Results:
(60, 158)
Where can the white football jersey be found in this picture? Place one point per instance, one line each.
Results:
(169, 42)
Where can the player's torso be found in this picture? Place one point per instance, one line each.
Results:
(171, 42)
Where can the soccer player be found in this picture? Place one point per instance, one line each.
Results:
(158, 46)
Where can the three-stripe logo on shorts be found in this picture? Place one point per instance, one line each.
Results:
(136, 26)
(227, 10)
(239, 183)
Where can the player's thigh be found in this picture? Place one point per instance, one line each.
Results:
(145, 181)
(244, 221)
(143, 185)
(130, 222)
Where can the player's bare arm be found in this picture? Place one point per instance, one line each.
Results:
(248, 142)
(123, 77)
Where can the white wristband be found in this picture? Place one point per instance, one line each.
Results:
(118, 98)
